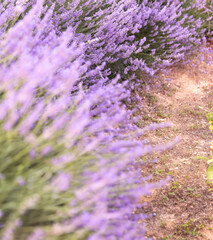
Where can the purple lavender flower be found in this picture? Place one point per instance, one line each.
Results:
(62, 181)
(38, 234)
(162, 33)
(20, 181)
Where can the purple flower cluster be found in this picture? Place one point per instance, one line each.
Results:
(131, 35)
(68, 157)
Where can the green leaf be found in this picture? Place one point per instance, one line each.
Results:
(190, 189)
(210, 161)
(201, 157)
(210, 173)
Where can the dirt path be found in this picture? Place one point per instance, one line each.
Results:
(184, 208)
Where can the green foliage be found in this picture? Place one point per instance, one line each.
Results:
(189, 228)
(28, 194)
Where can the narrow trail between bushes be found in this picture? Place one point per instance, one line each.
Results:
(183, 209)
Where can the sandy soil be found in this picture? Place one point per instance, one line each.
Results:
(183, 209)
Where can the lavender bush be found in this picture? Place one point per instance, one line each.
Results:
(209, 20)
(130, 36)
(135, 35)
(69, 156)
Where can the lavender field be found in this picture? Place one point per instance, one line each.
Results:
(73, 160)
